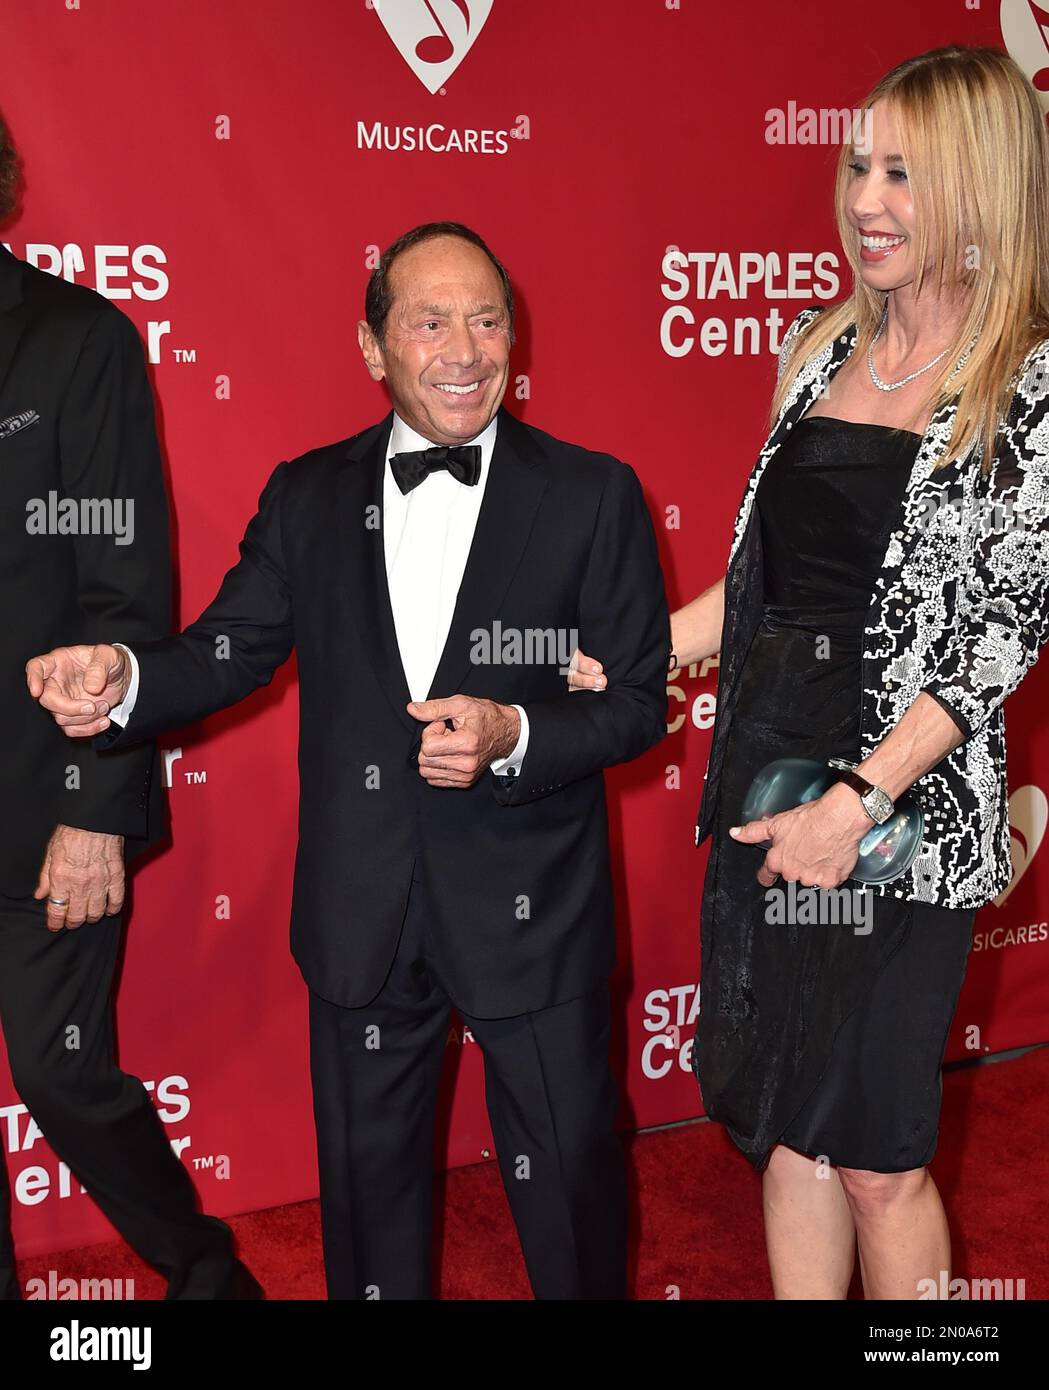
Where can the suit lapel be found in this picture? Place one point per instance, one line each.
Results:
(511, 499)
(512, 495)
(12, 323)
(360, 540)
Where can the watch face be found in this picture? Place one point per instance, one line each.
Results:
(878, 804)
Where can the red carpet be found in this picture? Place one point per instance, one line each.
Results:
(697, 1211)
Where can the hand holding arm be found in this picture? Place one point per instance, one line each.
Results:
(622, 615)
(233, 647)
(695, 633)
(695, 630)
(80, 685)
(107, 448)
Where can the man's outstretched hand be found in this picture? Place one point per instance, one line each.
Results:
(80, 685)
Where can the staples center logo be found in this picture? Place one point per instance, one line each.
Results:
(433, 36)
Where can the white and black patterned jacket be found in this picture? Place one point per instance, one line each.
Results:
(960, 610)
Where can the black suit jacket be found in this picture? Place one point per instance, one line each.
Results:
(76, 420)
(519, 868)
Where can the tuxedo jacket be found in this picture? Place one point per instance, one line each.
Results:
(960, 610)
(519, 868)
(76, 425)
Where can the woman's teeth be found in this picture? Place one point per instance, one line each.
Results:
(457, 390)
(881, 243)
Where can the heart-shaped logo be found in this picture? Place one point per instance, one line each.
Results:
(1025, 33)
(433, 36)
(1028, 816)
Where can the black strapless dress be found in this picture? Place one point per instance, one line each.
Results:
(821, 1037)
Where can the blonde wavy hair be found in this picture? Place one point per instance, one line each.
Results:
(974, 140)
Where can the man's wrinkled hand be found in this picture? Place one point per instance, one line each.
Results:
(481, 732)
(80, 685)
(82, 877)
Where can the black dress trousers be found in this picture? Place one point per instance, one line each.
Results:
(551, 1101)
(100, 1121)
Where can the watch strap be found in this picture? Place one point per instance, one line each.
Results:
(855, 781)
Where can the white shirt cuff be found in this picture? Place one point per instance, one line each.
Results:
(120, 714)
(511, 766)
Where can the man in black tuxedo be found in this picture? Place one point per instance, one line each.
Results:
(85, 553)
(453, 843)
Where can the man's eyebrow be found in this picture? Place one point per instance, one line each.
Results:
(443, 311)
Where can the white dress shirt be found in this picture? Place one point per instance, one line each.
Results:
(427, 535)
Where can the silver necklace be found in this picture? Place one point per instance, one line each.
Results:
(895, 385)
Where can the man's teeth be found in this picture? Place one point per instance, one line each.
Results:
(457, 390)
(881, 243)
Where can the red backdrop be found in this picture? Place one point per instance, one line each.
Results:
(227, 174)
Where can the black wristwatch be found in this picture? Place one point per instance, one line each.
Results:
(877, 803)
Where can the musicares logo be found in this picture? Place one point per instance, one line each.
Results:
(433, 36)
(1028, 817)
(1025, 33)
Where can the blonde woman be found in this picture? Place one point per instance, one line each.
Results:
(887, 588)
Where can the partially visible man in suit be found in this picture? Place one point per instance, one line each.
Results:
(83, 549)
(453, 835)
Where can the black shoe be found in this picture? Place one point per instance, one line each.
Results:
(243, 1284)
(205, 1284)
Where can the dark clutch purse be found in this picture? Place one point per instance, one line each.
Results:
(885, 852)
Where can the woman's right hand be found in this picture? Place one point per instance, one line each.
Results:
(584, 673)
(695, 630)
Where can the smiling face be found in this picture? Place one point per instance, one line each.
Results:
(879, 206)
(446, 350)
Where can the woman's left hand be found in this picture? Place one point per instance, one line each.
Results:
(816, 844)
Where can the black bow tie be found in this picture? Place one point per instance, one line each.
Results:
(462, 461)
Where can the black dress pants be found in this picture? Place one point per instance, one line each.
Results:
(56, 1010)
(551, 1101)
